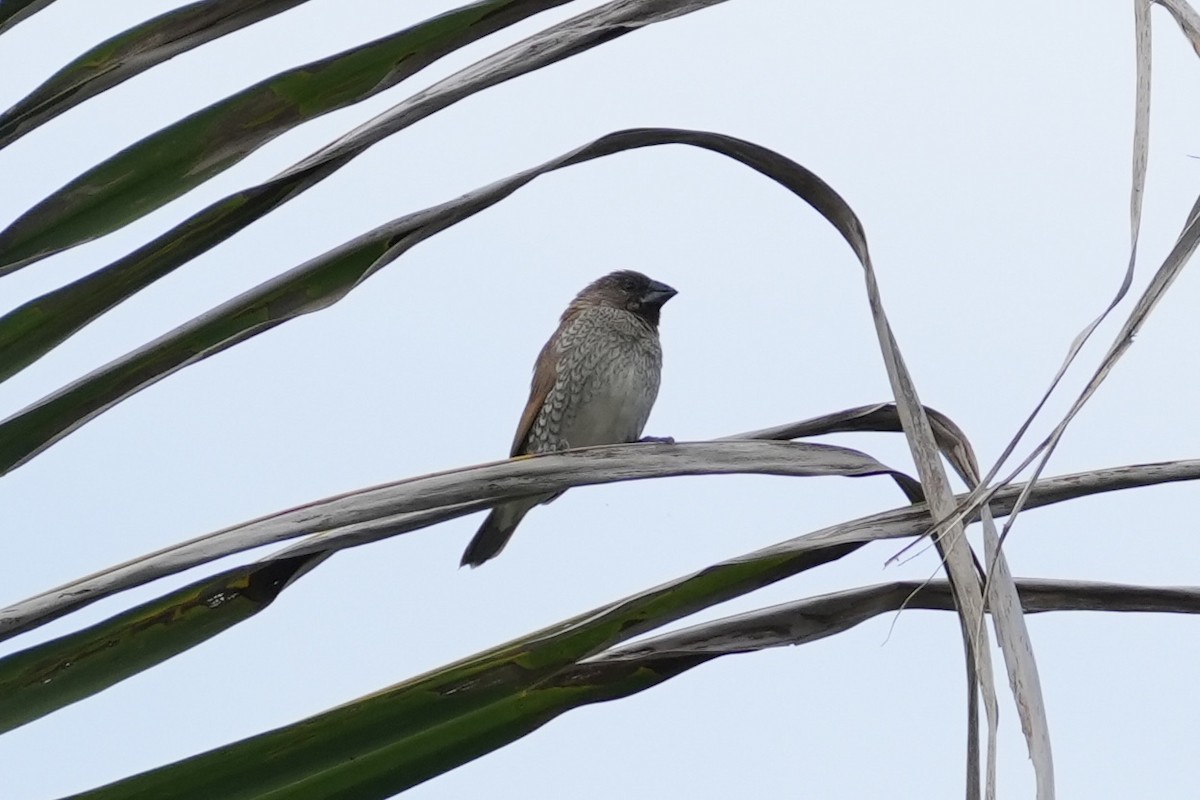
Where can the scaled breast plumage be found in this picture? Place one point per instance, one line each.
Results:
(607, 373)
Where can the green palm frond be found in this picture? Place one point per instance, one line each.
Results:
(393, 739)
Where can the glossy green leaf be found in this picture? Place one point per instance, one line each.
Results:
(130, 53)
(366, 736)
(33, 329)
(47, 677)
(634, 668)
(176, 159)
(392, 740)
(14, 11)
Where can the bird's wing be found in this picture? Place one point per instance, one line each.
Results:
(545, 373)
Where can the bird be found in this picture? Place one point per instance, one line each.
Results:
(594, 383)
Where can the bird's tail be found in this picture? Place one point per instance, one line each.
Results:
(495, 532)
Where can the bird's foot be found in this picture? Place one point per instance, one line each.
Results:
(657, 440)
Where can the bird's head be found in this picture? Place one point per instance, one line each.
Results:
(629, 291)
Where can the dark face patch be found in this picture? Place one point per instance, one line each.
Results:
(624, 282)
(631, 291)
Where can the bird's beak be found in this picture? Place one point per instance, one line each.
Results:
(657, 294)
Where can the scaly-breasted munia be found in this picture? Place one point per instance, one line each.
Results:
(594, 383)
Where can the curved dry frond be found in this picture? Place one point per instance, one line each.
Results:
(1000, 596)
(1189, 22)
(1009, 625)
(814, 618)
(642, 612)
(324, 280)
(1141, 145)
(49, 676)
(877, 417)
(131, 52)
(1181, 253)
(1010, 629)
(1186, 17)
(541, 474)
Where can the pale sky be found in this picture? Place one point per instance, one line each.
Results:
(987, 153)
